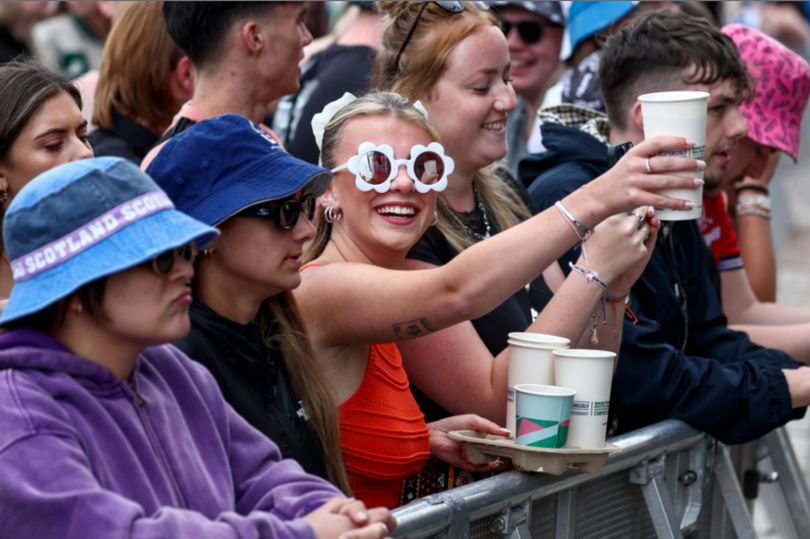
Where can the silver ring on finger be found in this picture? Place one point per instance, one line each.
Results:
(385, 529)
(646, 232)
(639, 217)
(648, 167)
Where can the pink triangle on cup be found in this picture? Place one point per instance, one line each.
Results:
(527, 427)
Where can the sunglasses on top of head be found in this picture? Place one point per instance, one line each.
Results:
(529, 31)
(285, 212)
(450, 7)
(163, 263)
(375, 168)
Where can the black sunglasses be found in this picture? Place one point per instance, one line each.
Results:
(450, 7)
(285, 212)
(529, 31)
(164, 263)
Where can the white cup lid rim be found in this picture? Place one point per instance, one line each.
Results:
(548, 391)
(538, 338)
(535, 345)
(578, 353)
(672, 96)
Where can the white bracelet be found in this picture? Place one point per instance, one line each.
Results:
(762, 201)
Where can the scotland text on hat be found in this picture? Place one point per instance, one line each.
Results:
(48, 256)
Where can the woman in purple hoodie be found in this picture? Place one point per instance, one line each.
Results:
(106, 430)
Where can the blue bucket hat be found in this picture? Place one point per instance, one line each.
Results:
(223, 165)
(82, 221)
(587, 18)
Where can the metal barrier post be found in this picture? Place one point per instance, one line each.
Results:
(513, 523)
(790, 480)
(650, 476)
(566, 510)
(732, 495)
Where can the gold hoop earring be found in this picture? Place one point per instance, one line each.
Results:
(435, 218)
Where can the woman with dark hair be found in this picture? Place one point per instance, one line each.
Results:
(245, 326)
(41, 126)
(107, 430)
(144, 79)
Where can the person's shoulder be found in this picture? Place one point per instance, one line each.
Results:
(29, 407)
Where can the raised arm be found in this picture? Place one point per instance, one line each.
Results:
(388, 306)
(479, 378)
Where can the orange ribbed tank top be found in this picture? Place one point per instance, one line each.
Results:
(382, 430)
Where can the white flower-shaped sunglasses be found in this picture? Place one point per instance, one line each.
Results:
(374, 167)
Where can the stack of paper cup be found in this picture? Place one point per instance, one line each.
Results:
(530, 362)
(589, 373)
(682, 114)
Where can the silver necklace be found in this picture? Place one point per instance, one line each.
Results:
(484, 214)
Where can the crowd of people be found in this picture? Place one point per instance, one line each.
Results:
(214, 327)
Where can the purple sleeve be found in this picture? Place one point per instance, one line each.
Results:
(48, 490)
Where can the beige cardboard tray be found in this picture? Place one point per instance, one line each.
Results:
(481, 448)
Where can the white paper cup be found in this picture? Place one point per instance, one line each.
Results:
(530, 362)
(682, 114)
(589, 373)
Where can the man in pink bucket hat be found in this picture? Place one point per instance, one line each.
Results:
(774, 117)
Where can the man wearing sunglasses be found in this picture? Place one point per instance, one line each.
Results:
(534, 32)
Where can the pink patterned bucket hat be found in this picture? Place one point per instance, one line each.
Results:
(774, 116)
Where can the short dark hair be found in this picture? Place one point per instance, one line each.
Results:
(90, 295)
(653, 54)
(199, 28)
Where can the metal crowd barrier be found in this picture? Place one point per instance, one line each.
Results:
(669, 481)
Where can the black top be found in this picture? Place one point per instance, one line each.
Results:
(10, 48)
(329, 75)
(514, 314)
(127, 139)
(253, 380)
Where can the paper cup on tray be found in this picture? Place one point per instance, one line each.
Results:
(589, 373)
(543, 413)
(530, 362)
(682, 114)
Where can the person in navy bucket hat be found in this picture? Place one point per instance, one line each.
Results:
(228, 173)
(232, 164)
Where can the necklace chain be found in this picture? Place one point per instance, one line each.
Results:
(484, 214)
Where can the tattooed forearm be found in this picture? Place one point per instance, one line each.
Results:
(413, 328)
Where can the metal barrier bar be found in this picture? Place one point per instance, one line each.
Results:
(453, 510)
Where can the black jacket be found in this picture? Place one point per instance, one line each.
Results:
(127, 139)
(680, 361)
(253, 380)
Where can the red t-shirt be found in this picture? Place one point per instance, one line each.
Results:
(719, 235)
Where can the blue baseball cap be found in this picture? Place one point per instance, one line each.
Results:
(223, 165)
(587, 18)
(82, 221)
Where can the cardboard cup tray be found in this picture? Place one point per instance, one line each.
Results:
(482, 448)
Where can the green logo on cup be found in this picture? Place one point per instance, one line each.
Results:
(540, 433)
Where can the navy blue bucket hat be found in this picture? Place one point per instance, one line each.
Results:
(223, 165)
(82, 221)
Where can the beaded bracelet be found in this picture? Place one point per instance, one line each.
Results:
(752, 210)
(763, 202)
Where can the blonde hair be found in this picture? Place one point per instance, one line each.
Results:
(290, 337)
(374, 104)
(424, 61)
(136, 69)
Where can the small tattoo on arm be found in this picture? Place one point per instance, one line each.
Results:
(413, 328)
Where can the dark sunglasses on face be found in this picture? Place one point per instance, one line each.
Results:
(285, 212)
(164, 263)
(450, 7)
(529, 31)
